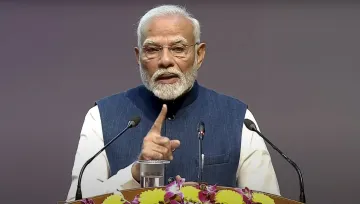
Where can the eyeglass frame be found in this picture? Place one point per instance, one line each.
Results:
(162, 48)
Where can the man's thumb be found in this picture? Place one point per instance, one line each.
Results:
(174, 144)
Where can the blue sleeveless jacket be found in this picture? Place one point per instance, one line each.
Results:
(222, 115)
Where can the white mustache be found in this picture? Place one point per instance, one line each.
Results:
(160, 72)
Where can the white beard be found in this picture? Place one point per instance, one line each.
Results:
(169, 91)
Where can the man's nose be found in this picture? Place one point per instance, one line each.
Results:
(166, 59)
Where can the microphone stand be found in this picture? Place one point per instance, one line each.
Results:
(131, 124)
(201, 156)
(251, 126)
(298, 171)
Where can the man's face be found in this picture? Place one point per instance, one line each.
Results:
(168, 58)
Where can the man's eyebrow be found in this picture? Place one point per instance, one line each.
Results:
(177, 41)
(149, 42)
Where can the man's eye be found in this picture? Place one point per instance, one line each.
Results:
(178, 49)
(152, 49)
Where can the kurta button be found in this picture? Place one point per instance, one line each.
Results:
(171, 117)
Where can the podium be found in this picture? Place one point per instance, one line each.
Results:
(129, 194)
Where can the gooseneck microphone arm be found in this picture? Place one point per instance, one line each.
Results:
(201, 134)
(251, 126)
(132, 123)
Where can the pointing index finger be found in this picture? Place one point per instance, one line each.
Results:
(160, 119)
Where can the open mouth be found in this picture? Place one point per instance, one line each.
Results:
(167, 78)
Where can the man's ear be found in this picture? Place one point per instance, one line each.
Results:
(200, 54)
(137, 54)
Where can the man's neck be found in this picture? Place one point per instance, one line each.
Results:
(151, 105)
(185, 99)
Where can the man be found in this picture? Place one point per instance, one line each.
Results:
(171, 103)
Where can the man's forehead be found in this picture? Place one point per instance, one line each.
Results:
(165, 40)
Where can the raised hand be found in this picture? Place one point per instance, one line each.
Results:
(155, 146)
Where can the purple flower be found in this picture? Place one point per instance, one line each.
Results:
(136, 200)
(246, 193)
(87, 201)
(207, 193)
(173, 194)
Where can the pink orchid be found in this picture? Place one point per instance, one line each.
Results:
(207, 193)
(87, 201)
(246, 193)
(173, 194)
(136, 200)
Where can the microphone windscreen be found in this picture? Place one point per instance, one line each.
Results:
(250, 124)
(201, 127)
(135, 121)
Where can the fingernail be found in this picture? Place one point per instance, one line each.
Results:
(171, 157)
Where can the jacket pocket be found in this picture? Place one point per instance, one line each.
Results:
(214, 159)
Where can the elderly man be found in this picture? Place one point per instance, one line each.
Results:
(171, 103)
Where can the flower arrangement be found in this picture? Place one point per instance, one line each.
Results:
(177, 193)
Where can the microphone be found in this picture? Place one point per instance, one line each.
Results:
(201, 130)
(201, 134)
(132, 123)
(251, 126)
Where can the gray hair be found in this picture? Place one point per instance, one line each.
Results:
(165, 10)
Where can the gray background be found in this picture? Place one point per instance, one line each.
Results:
(296, 65)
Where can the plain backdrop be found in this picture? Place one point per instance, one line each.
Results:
(295, 64)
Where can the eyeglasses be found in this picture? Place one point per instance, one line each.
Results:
(178, 50)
